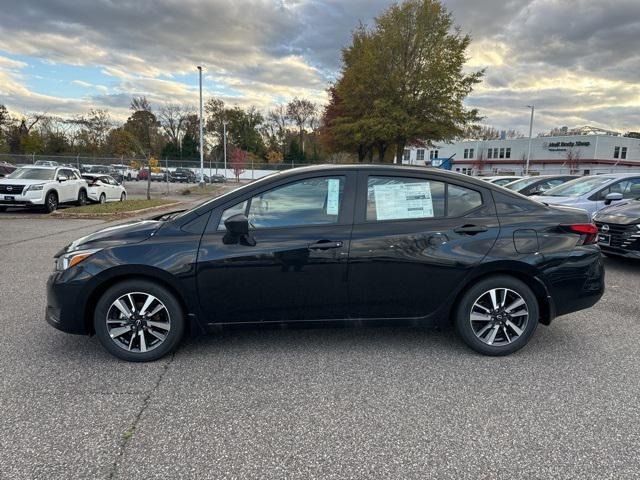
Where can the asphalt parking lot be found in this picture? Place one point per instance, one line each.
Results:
(313, 403)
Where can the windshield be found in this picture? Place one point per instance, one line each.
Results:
(577, 187)
(520, 184)
(33, 173)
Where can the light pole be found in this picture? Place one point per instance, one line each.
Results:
(224, 145)
(201, 133)
(533, 108)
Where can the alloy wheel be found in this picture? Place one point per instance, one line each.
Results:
(138, 322)
(499, 316)
(52, 202)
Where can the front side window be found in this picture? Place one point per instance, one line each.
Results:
(313, 201)
(577, 187)
(628, 188)
(230, 212)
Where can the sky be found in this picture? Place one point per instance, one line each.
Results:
(578, 61)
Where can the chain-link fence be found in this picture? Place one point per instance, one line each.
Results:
(131, 166)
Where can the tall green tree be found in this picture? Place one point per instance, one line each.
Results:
(143, 126)
(403, 80)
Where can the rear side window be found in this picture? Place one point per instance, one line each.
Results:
(461, 200)
(395, 198)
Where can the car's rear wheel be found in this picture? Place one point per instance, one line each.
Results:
(497, 315)
(139, 321)
(82, 198)
(51, 202)
(103, 198)
(123, 197)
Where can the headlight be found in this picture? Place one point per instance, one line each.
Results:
(73, 258)
(33, 188)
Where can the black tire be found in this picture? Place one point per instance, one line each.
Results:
(103, 198)
(82, 197)
(51, 202)
(505, 342)
(123, 197)
(176, 320)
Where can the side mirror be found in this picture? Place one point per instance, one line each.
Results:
(612, 197)
(238, 230)
(62, 178)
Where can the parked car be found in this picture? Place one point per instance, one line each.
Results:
(501, 180)
(45, 187)
(218, 178)
(126, 171)
(619, 228)
(6, 169)
(106, 170)
(143, 174)
(206, 177)
(359, 243)
(593, 192)
(103, 189)
(183, 175)
(539, 184)
(46, 163)
(159, 176)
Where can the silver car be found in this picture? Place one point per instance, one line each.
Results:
(593, 192)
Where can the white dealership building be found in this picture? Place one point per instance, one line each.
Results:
(594, 151)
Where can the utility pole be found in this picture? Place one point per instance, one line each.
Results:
(224, 145)
(533, 108)
(201, 133)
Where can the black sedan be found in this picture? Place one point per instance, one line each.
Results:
(539, 184)
(619, 227)
(352, 243)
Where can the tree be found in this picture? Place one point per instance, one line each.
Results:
(243, 126)
(573, 158)
(143, 126)
(238, 161)
(93, 131)
(274, 129)
(274, 156)
(301, 112)
(5, 122)
(402, 81)
(173, 119)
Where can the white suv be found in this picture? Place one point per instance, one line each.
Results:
(47, 187)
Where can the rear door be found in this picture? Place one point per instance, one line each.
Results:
(295, 267)
(414, 239)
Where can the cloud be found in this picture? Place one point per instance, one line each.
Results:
(577, 60)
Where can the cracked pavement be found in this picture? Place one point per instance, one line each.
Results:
(306, 403)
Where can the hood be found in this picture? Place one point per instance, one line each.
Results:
(22, 181)
(622, 213)
(117, 235)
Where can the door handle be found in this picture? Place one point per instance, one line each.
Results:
(470, 229)
(324, 245)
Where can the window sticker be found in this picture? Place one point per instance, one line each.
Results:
(333, 196)
(403, 200)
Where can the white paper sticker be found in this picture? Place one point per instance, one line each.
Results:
(403, 200)
(333, 196)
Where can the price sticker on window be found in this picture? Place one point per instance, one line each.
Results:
(333, 196)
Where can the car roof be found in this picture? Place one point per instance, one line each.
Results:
(43, 167)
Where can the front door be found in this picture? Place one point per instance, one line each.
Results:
(294, 266)
(414, 240)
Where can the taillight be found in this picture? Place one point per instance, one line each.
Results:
(588, 232)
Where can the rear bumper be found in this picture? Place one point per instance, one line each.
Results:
(578, 282)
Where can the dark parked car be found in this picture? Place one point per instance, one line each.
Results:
(218, 178)
(619, 228)
(183, 175)
(333, 242)
(539, 184)
(6, 169)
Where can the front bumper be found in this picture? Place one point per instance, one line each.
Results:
(28, 200)
(66, 304)
(620, 252)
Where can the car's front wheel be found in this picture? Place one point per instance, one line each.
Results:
(123, 197)
(138, 321)
(51, 202)
(497, 315)
(103, 198)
